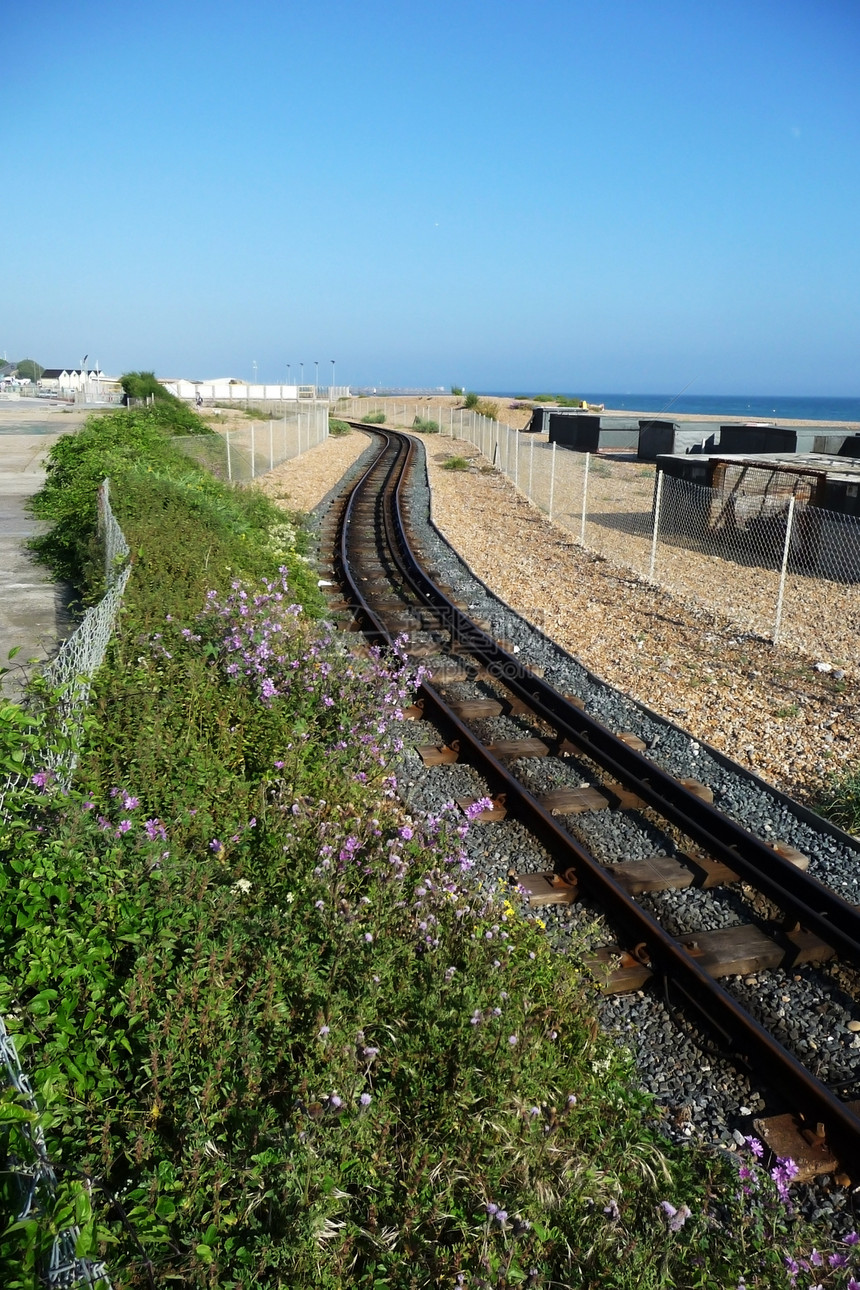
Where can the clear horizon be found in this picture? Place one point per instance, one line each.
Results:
(599, 194)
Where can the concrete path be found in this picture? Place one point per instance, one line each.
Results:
(32, 606)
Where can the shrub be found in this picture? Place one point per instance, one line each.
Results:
(456, 463)
(424, 426)
(373, 419)
(471, 400)
(487, 408)
(145, 385)
(336, 427)
(457, 391)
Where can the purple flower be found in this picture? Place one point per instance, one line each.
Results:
(335, 1101)
(42, 778)
(477, 808)
(783, 1172)
(512, 1040)
(501, 1217)
(216, 845)
(406, 832)
(677, 1217)
(124, 826)
(755, 1147)
(838, 1260)
(365, 1099)
(155, 829)
(492, 1209)
(851, 1239)
(535, 1110)
(368, 936)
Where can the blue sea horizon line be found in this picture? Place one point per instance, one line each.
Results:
(755, 406)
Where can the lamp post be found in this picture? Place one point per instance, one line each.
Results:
(254, 369)
(288, 373)
(316, 377)
(331, 392)
(301, 373)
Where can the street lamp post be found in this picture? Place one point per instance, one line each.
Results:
(316, 377)
(331, 392)
(288, 373)
(301, 373)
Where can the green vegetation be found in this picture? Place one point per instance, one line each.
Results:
(561, 399)
(456, 463)
(841, 802)
(336, 427)
(29, 369)
(145, 385)
(424, 425)
(457, 391)
(279, 1037)
(374, 419)
(484, 407)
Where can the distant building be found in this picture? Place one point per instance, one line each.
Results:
(69, 380)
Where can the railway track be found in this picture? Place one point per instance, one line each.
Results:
(479, 681)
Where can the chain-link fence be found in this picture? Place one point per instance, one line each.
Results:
(751, 548)
(243, 452)
(36, 1179)
(70, 676)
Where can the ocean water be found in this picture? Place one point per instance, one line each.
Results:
(756, 407)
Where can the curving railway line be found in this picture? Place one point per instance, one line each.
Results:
(387, 590)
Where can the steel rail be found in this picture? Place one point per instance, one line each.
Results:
(809, 901)
(666, 955)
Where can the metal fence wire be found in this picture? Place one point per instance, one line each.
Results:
(753, 548)
(244, 451)
(71, 672)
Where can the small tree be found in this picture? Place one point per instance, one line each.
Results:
(140, 385)
(30, 369)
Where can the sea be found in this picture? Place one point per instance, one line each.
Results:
(755, 407)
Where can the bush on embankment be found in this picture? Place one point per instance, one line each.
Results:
(279, 1038)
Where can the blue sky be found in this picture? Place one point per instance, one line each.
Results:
(562, 194)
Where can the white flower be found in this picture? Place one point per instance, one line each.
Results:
(242, 885)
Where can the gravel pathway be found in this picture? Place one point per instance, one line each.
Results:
(302, 483)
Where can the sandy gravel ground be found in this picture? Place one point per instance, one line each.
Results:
(301, 483)
(765, 706)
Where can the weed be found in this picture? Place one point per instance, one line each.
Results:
(457, 463)
(373, 419)
(336, 427)
(425, 426)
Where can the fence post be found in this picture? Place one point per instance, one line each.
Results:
(584, 500)
(531, 462)
(552, 482)
(516, 459)
(789, 524)
(285, 433)
(271, 444)
(658, 497)
(253, 453)
(229, 459)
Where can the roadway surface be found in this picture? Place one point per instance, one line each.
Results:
(33, 608)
